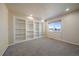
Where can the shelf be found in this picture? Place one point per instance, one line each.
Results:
(20, 22)
(33, 29)
(30, 31)
(29, 23)
(20, 30)
(29, 37)
(20, 34)
(36, 31)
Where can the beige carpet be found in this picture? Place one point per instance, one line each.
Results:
(42, 47)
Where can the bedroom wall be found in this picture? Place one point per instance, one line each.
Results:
(70, 29)
(3, 28)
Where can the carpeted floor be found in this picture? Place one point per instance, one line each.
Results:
(42, 47)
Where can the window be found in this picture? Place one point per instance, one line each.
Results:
(55, 26)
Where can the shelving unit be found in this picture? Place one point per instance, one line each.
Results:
(19, 29)
(36, 31)
(41, 29)
(25, 29)
(29, 31)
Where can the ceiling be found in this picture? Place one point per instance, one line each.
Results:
(42, 10)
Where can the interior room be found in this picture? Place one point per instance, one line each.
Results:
(39, 29)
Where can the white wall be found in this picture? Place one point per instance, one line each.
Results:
(70, 29)
(3, 28)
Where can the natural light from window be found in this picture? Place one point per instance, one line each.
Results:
(55, 26)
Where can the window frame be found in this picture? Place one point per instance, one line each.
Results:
(54, 29)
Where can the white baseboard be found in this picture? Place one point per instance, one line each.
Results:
(66, 41)
(70, 42)
(23, 41)
(3, 51)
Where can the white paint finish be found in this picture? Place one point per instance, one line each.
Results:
(11, 25)
(3, 28)
(17, 25)
(42, 10)
(39, 10)
(55, 35)
(70, 29)
(10, 28)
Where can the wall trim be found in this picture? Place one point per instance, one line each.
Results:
(65, 41)
(4, 50)
(23, 41)
(61, 15)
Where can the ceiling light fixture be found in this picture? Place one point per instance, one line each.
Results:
(42, 20)
(30, 17)
(67, 9)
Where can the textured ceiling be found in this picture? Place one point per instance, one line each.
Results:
(42, 10)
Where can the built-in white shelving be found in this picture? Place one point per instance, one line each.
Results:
(19, 28)
(41, 29)
(36, 29)
(29, 30)
(25, 29)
